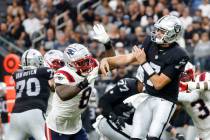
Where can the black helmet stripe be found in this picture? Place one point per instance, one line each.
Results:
(161, 19)
(26, 57)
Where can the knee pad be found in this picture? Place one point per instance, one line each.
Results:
(152, 138)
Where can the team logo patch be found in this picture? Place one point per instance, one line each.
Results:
(181, 63)
(71, 51)
(60, 78)
(177, 28)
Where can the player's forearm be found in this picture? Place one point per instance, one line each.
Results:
(199, 85)
(67, 92)
(153, 77)
(121, 60)
(159, 81)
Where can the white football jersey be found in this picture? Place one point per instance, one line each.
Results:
(199, 110)
(65, 116)
(198, 107)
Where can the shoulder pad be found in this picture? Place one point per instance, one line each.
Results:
(62, 76)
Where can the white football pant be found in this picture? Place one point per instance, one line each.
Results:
(25, 124)
(151, 117)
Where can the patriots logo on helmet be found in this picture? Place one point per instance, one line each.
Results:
(79, 58)
(71, 51)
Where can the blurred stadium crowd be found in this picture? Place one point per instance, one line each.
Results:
(54, 24)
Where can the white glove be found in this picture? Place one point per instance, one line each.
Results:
(100, 34)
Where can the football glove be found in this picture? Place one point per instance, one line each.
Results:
(100, 34)
(127, 109)
(118, 120)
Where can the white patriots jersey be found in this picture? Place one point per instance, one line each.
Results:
(65, 116)
(198, 106)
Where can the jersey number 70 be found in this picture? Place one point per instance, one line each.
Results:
(27, 85)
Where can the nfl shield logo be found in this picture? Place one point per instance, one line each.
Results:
(156, 56)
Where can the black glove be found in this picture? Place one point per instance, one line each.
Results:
(118, 120)
(126, 109)
(83, 84)
(180, 136)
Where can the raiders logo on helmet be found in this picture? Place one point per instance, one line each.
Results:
(177, 28)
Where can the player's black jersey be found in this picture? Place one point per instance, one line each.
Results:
(112, 100)
(32, 89)
(169, 61)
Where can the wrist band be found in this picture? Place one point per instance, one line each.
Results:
(108, 45)
(148, 69)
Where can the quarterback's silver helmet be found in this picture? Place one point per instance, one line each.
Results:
(170, 28)
(79, 58)
(54, 59)
(32, 59)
